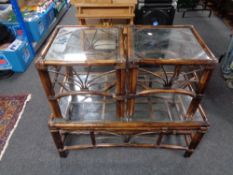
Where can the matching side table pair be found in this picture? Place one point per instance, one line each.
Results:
(140, 88)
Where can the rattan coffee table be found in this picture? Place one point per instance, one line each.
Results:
(140, 89)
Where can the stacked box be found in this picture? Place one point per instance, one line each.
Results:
(40, 24)
(17, 56)
(49, 16)
(58, 7)
(4, 63)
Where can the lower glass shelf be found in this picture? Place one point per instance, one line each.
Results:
(155, 108)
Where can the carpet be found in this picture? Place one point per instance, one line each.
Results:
(11, 110)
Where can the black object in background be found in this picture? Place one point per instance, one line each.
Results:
(155, 1)
(5, 74)
(153, 14)
(225, 8)
(6, 36)
(187, 3)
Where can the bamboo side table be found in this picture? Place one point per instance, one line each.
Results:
(171, 64)
(82, 67)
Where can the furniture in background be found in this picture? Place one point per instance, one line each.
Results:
(155, 12)
(102, 95)
(224, 7)
(104, 11)
(193, 5)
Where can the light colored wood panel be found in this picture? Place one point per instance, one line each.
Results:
(106, 11)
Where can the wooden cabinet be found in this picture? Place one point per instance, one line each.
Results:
(104, 12)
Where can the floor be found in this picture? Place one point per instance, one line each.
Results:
(32, 152)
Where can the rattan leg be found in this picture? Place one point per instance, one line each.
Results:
(201, 88)
(132, 87)
(58, 142)
(120, 92)
(47, 84)
(194, 142)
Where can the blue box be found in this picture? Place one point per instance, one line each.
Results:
(40, 25)
(49, 16)
(4, 63)
(36, 28)
(15, 28)
(59, 6)
(18, 54)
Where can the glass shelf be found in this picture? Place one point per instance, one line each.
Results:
(154, 108)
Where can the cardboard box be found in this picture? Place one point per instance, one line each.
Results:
(40, 24)
(4, 63)
(18, 55)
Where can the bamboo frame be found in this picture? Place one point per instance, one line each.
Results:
(177, 62)
(132, 81)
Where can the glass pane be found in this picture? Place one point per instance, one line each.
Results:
(86, 108)
(84, 44)
(157, 108)
(163, 108)
(166, 43)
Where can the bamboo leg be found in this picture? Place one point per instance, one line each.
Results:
(92, 135)
(159, 140)
(58, 142)
(127, 139)
(194, 142)
(48, 87)
(201, 88)
(132, 87)
(175, 75)
(69, 72)
(120, 92)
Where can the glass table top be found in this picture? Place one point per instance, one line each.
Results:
(167, 43)
(87, 44)
(81, 44)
